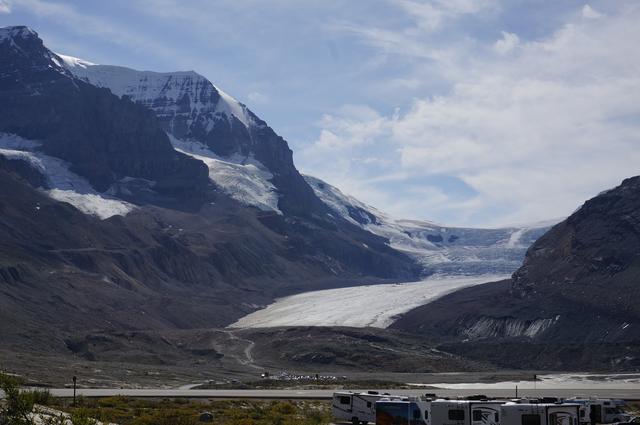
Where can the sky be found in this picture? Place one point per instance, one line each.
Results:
(463, 112)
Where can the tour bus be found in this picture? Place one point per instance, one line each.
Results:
(357, 408)
(540, 414)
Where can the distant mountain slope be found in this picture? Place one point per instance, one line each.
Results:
(439, 249)
(574, 303)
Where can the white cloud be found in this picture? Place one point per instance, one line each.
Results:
(533, 135)
(96, 26)
(5, 6)
(507, 43)
(257, 97)
(589, 12)
(431, 15)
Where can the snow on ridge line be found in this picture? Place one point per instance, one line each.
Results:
(16, 31)
(244, 179)
(149, 85)
(72, 62)
(64, 185)
(230, 106)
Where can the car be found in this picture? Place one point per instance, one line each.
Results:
(635, 420)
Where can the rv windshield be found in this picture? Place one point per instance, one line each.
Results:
(390, 413)
(397, 413)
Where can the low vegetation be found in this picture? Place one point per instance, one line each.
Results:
(18, 408)
(130, 411)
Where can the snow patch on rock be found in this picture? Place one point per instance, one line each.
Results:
(63, 184)
(489, 327)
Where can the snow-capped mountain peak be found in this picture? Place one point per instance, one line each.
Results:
(185, 92)
(22, 32)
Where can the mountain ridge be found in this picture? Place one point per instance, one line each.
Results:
(573, 302)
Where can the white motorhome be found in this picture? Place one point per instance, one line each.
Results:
(403, 411)
(540, 414)
(438, 412)
(466, 412)
(600, 410)
(357, 408)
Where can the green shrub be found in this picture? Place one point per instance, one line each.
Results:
(16, 409)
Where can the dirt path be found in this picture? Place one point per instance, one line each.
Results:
(247, 351)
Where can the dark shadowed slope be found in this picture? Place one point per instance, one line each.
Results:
(575, 302)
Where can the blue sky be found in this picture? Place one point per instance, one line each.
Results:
(464, 112)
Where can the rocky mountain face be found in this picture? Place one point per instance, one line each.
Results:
(109, 221)
(104, 138)
(573, 304)
(191, 109)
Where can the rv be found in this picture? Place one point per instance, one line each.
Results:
(540, 414)
(439, 412)
(602, 411)
(403, 411)
(358, 408)
(466, 412)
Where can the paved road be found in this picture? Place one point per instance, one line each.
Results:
(622, 393)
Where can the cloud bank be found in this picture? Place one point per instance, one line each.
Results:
(527, 129)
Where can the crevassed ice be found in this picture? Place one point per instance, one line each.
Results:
(359, 306)
(473, 251)
(244, 179)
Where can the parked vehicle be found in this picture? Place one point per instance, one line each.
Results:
(437, 412)
(403, 411)
(633, 421)
(358, 408)
(540, 414)
(466, 412)
(601, 410)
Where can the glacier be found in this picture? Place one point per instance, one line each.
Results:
(242, 178)
(439, 249)
(360, 306)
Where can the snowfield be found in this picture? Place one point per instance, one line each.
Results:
(360, 306)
